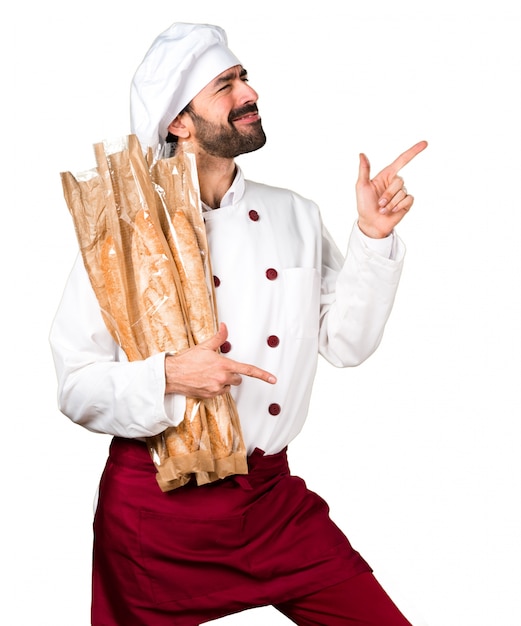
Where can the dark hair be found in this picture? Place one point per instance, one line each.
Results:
(171, 138)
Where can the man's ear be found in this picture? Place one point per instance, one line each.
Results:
(178, 127)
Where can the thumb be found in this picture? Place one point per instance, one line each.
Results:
(364, 169)
(215, 342)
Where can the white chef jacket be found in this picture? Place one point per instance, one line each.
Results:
(285, 293)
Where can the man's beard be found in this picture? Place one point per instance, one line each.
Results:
(227, 141)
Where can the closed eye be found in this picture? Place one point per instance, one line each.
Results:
(225, 80)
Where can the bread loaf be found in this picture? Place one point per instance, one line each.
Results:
(117, 300)
(187, 257)
(219, 425)
(186, 438)
(162, 321)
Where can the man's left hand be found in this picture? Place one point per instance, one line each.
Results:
(383, 201)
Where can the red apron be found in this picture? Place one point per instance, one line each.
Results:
(198, 553)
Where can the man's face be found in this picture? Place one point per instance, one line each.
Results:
(224, 116)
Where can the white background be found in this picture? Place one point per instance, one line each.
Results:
(417, 450)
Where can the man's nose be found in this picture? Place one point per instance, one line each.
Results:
(247, 93)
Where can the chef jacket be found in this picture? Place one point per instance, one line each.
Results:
(284, 291)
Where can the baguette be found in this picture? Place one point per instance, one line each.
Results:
(186, 437)
(161, 321)
(219, 425)
(117, 302)
(185, 250)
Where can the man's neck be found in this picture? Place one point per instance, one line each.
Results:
(215, 178)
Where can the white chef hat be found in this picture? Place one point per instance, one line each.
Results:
(180, 63)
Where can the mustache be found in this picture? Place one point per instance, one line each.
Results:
(247, 108)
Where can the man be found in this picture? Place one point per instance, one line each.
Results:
(284, 294)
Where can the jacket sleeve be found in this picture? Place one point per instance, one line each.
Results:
(357, 297)
(97, 387)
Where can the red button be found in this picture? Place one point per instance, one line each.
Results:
(271, 274)
(226, 347)
(254, 216)
(273, 341)
(274, 409)
(216, 281)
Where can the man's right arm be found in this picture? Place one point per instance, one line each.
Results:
(99, 389)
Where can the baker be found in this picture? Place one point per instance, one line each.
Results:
(284, 294)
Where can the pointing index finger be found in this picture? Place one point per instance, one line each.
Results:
(405, 157)
(253, 372)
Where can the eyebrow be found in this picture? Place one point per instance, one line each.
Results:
(229, 76)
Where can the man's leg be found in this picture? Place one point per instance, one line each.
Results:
(358, 601)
